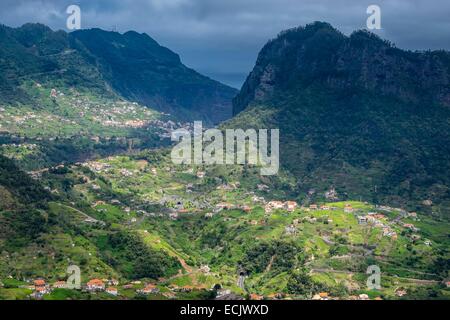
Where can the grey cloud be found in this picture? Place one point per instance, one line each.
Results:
(223, 38)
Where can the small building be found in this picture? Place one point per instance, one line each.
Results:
(256, 297)
(348, 208)
(201, 174)
(205, 269)
(313, 207)
(39, 292)
(209, 215)
(60, 285)
(223, 293)
(290, 205)
(401, 292)
(112, 291)
(362, 220)
(149, 289)
(263, 187)
(273, 205)
(291, 230)
(95, 285)
(412, 214)
(39, 283)
(114, 282)
(323, 295)
(224, 206)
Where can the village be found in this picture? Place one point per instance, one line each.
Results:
(78, 114)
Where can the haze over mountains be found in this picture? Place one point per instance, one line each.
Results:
(131, 65)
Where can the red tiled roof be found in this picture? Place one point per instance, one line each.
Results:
(39, 282)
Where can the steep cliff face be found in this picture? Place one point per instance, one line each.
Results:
(319, 54)
(355, 113)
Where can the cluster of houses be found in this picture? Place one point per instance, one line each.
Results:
(96, 166)
(289, 206)
(40, 287)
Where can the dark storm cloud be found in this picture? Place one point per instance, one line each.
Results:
(222, 38)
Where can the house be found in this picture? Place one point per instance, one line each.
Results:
(291, 230)
(186, 289)
(53, 93)
(275, 296)
(401, 292)
(209, 215)
(254, 222)
(223, 292)
(169, 295)
(149, 289)
(313, 207)
(60, 285)
(201, 174)
(224, 206)
(428, 243)
(205, 269)
(362, 220)
(263, 187)
(273, 205)
(39, 283)
(39, 292)
(411, 227)
(256, 297)
(257, 199)
(412, 214)
(114, 282)
(324, 208)
(447, 284)
(290, 205)
(323, 295)
(246, 209)
(363, 297)
(112, 291)
(348, 208)
(40, 288)
(95, 285)
(154, 171)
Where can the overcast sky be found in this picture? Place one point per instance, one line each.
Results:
(222, 38)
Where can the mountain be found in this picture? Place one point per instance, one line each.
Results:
(355, 113)
(130, 65)
(140, 69)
